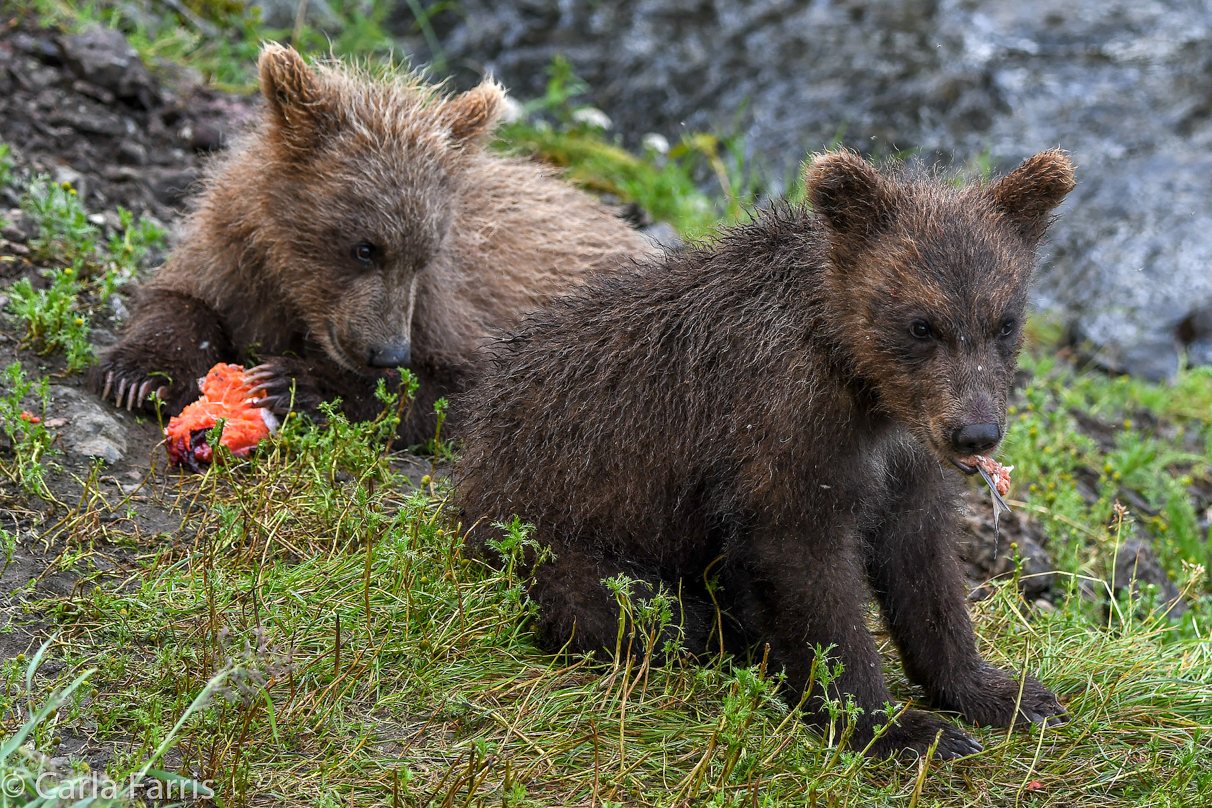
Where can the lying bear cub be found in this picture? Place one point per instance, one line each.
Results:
(360, 227)
(790, 409)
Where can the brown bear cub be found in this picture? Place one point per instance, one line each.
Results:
(360, 227)
(783, 410)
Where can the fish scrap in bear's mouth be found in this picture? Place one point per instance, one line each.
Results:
(996, 476)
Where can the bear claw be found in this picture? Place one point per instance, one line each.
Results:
(914, 732)
(127, 393)
(279, 386)
(990, 700)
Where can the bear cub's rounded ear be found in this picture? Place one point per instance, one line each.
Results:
(293, 95)
(472, 116)
(848, 194)
(1028, 194)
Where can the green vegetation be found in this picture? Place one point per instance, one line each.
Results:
(29, 777)
(386, 667)
(63, 225)
(313, 633)
(55, 317)
(664, 181)
(52, 322)
(29, 443)
(6, 165)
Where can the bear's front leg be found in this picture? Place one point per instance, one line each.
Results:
(288, 383)
(913, 567)
(172, 340)
(803, 593)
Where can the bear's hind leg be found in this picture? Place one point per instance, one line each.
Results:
(578, 609)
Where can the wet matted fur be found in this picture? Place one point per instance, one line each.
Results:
(787, 407)
(359, 226)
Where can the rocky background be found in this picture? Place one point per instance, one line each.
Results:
(1125, 85)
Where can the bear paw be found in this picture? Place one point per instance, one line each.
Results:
(913, 733)
(284, 384)
(990, 699)
(129, 387)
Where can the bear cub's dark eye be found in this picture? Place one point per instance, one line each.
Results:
(920, 329)
(364, 253)
(1007, 329)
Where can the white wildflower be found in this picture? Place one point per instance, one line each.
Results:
(654, 142)
(592, 117)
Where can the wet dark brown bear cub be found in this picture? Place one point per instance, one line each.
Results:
(360, 227)
(789, 408)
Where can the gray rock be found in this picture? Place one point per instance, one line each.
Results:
(663, 235)
(987, 553)
(103, 57)
(282, 13)
(94, 121)
(171, 186)
(1136, 565)
(1125, 85)
(91, 430)
(16, 226)
(132, 153)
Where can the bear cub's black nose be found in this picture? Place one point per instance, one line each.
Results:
(975, 438)
(390, 356)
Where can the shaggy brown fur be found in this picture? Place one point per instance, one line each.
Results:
(360, 227)
(785, 409)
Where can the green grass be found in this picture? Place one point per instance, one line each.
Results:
(381, 661)
(1157, 448)
(6, 165)
(313, 633)
(668, 185)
